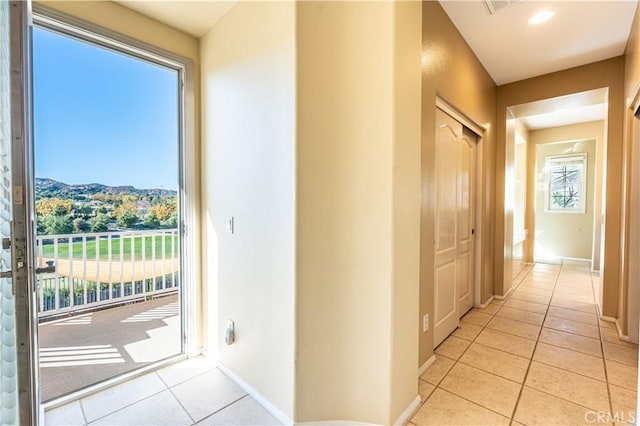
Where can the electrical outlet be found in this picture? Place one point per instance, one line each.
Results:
(425, 323)
(230, 332)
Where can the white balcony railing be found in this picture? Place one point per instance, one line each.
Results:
(96, 270)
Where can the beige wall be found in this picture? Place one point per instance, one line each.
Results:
(560, 235)
(520, 229)
(248, 111)
(405, 205)
(451, 70)
(608, 73)
(357, 209)
(118, 18)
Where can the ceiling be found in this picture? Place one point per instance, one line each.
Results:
(193, 17)
(562, 110)
(580, 32)
(510, 49)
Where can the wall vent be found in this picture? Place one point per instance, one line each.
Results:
(495, 6)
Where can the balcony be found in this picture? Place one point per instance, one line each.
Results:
(110, 306)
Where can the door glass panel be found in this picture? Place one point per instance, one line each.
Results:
(8, 353)
(106, 145)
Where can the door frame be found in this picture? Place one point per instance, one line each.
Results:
(59, 22)
(631, 229)
(445, 105)
(22, 261)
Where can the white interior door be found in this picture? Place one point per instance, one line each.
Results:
(454, 224)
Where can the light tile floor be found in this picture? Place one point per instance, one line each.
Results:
(186, 393)
(540, 357)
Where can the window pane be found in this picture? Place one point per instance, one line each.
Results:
(565, 183)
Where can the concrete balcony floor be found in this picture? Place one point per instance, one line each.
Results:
(83, 350)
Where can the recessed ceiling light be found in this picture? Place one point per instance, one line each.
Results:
(541, 17)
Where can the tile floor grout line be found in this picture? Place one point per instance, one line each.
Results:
(84, 416)
(483, 327)
(571, 371)
(217, 411)
(472, 402)
(569, 349)
(535, 346)
(175, 397)
(512, 334)
(559, 283)
(501, 350)
(604, 357)
(455, 361)
(559, 397)
(128, 405)
(125, 406)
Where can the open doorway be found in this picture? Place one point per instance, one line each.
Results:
(107, 150)
(559, 147)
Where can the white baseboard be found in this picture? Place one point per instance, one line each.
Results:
(621, 336)
(576, 259)
(275, 411)
(615, 322)
(497, 297)
(408, 412)
(487, 303)
(336, 423)
(428, 363)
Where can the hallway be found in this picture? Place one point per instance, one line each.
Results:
(539, 357)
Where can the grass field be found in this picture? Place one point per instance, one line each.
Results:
(63, 248)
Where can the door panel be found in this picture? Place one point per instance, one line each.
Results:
(446, 153)
(8, 350)
(454, 222)
(20, 401)
(447, 158)
(446, 305)
(466, 219)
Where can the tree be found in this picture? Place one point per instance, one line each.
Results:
(54, 225)
(80, 225)
(172, 222)
(162, 211)
(151, 221)
(99, 223)
(127, 215)
(53, 207)
(83, 211)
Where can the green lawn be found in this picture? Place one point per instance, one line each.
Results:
(63, 248)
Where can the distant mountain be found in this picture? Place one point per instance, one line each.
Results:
(51, 188)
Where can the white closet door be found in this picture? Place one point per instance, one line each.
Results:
(454, 224)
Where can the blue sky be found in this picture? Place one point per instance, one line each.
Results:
(102, 117)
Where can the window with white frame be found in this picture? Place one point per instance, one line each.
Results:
(566, 183)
